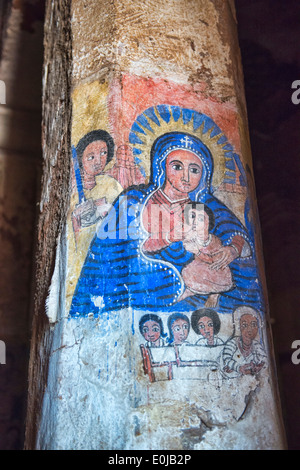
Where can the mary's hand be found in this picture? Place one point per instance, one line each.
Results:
(223, 257)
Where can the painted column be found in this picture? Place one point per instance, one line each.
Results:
(157, 303)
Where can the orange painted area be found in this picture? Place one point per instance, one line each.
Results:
(131, 95)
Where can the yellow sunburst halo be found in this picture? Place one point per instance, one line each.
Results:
(150, 127)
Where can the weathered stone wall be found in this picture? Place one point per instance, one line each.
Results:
(140, 73)
(54, 195)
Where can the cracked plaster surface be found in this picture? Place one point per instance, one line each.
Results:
(101, 399)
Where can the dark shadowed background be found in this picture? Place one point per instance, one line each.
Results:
(269, 34)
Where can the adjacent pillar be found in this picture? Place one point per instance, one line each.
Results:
(21, 57)
(157, 333)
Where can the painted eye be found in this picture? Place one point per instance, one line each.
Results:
(91, 157)
(104, 152)
(177, 167)
(195, 170)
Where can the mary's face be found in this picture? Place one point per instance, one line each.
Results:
(94, 158)
(183, 171)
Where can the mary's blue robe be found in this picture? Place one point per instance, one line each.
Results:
(118, 274)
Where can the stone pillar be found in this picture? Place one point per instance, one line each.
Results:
(157, 333)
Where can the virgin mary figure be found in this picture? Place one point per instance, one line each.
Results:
(135, 259)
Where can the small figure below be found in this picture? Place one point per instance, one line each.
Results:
(206, 323)
(126, 170)
(243, 354)
(206, 274)
(179, 328)
(151, 327)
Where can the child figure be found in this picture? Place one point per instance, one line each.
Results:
(179, 328)
(204, 275)
(151, 327)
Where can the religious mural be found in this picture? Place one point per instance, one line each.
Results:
(211, 357)
(156, 228)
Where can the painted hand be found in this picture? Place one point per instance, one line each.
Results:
(256, 367)
(246, 369)
(224, 257)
